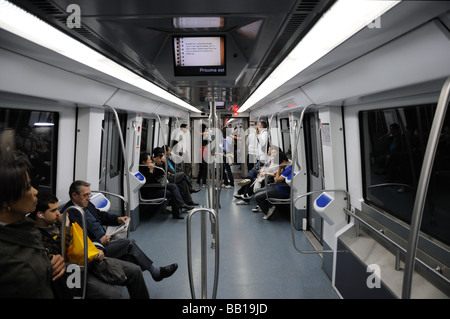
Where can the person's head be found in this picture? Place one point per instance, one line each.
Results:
(158, 155)
(145, 158)
(80, 193)
(17, 195)
(168, 149)
(262, 125)
(283, 159)
(184, 127)
(46, 212)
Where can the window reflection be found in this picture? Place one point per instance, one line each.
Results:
(31, 135)
(393, 144)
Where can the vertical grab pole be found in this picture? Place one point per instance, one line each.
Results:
(203, 251)
(422, 188)
(122, 144)
(85, 243)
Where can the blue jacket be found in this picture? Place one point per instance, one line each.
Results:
(95, 222)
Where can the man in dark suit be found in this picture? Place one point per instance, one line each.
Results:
(124, 248)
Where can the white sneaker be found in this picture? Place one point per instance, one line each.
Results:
(269, 212)
(229, 186)
(242, 202)
(244, 182)
(256, 209)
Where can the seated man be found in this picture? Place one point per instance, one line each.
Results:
(155, 175)
(180, 178)
(279, 190)
(48, 221)
(124, 248)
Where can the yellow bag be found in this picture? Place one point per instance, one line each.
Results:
(75, 252)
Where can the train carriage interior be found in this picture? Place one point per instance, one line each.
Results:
(353, 92)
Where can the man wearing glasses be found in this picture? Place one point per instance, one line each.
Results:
(123, 248)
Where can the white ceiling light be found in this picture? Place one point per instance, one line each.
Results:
(28, 26)
(340, 22)
(197, 22)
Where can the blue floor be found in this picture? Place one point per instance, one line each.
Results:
(257, 257)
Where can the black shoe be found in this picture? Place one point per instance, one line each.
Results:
(166, 271)
(195, 190)
(186, 207)
(177, 216)
(193, 204)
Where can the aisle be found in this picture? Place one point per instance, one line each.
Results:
(257, 258)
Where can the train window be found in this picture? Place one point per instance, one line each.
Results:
(393, 147)
(286, 136)
(32, 135)
(148, 131)
(116, 155)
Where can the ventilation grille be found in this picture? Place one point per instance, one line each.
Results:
(294, 29)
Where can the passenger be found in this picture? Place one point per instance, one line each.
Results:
(49, 219)
(252, 147)
(182, 147)
(178, 178)
(279, 190)
(256, 179)
(203, 166)
(123, 248)
(27, 270)
(262, 144)
(227, 148)
(155, 175)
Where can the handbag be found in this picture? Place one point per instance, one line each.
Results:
(75, 252)
(109, 270)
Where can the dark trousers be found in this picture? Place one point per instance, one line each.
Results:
(261, 197)
(172, 193)
(228, 178)
(127, 249)
(135, 283)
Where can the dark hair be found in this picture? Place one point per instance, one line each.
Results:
(282, 157)
(76, 186)
(143, 157)
(13, 180)
(158, 152)
(44, 199)
(183, 125)
(263, 124)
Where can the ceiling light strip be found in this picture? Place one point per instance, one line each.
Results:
(28, 26)
(340, 22)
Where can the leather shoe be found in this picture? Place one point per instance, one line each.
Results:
(166, 271)
(195, 190)
(177, 216)
(186, 207)
(193, 204)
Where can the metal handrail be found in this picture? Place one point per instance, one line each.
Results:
(215, 216)
(393, 243)
(85, 242)
(293, 218)
(122, 144)
(422, 187)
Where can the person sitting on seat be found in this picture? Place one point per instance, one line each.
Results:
(256, 178)
(279, 190)
(27, 269)
(155, 175)
(48, 220)
(122, 248)
(178, 178)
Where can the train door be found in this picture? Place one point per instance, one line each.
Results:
(314, 171)
(112, 164)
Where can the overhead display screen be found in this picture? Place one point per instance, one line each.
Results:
(199, 56)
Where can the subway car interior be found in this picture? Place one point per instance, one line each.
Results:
(353, 92)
